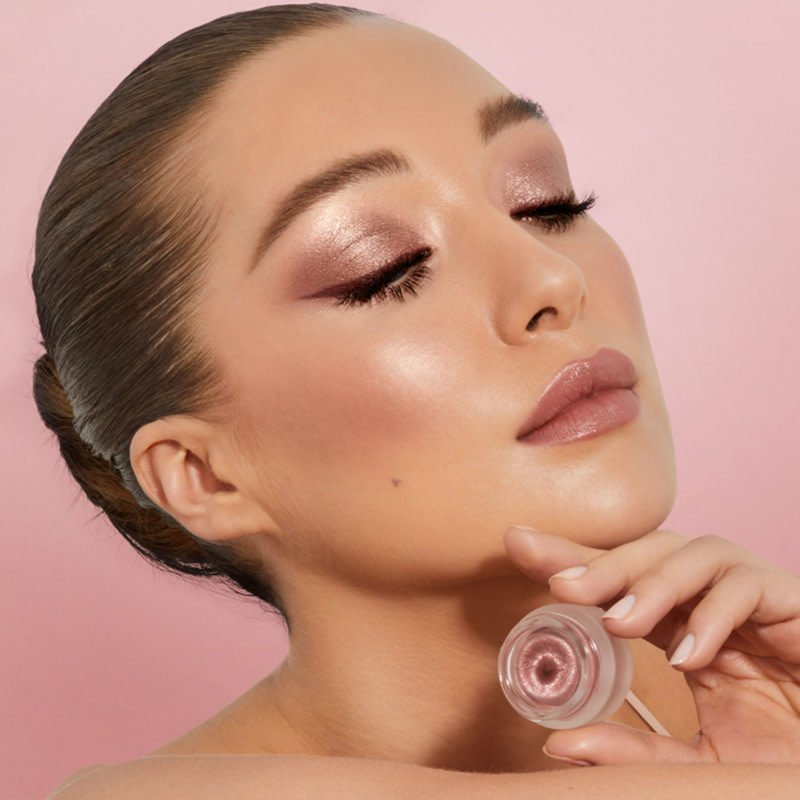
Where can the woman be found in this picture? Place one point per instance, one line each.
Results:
(379, 330)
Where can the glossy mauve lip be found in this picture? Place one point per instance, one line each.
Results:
(586, 398)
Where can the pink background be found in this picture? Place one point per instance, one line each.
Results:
(686, 123)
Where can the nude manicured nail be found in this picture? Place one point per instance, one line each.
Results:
(621, 608)
(683, 650)
(569, 574)
(566, 759)
(522, 534)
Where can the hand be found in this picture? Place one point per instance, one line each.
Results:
(726, 618)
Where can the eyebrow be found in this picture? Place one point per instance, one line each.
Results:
(493, 117)
(500, 113)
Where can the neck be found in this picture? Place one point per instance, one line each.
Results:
(409, 677)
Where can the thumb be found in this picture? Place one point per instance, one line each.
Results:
(607, 743)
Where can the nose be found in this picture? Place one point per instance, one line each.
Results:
(538, 288)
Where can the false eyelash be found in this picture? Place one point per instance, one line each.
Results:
(398, 280)
(556, 214)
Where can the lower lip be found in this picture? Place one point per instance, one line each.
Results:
(590, 417)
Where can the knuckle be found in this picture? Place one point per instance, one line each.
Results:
(710, 541)
(670, 539)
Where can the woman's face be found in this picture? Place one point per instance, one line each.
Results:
(389, 301)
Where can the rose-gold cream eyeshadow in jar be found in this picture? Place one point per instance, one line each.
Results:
(561, 669)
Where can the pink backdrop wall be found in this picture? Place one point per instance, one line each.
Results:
(686, 123)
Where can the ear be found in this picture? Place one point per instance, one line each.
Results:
(172, 460)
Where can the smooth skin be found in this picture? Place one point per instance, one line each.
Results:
(368, 451)
(746, 694)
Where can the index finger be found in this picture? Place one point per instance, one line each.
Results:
(541, 555)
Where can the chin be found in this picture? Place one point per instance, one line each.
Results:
(608, 506)
(621, 514)
(632, 496)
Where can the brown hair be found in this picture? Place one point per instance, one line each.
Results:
(119, 261)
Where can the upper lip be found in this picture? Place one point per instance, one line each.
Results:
(606, 369)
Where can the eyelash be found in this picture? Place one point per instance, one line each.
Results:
(398, 280)
(401, 278)
(556, 214)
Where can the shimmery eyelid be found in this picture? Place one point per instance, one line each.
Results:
(526, 189)
(342, 249)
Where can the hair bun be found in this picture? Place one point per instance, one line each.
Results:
(149, 530)
(90, 470)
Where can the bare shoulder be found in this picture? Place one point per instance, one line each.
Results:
(251, 725)
(296, 777)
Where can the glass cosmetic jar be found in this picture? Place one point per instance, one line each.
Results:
(560, 668)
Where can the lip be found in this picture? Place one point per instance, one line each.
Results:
(586, 398)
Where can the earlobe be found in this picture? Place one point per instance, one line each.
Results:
(172, 463)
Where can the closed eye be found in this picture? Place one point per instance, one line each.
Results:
(555, 214)
(398, 280)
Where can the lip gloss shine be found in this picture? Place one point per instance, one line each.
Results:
(585, 399)
(560, 668)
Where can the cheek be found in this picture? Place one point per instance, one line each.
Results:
(353, 404)
(354, 436)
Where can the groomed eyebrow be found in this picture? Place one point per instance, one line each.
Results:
(493, 117)
(341, 174)
(500, 113)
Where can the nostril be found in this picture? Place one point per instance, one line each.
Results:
(534, 320)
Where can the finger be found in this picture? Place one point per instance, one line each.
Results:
(664, 574)
(608, 743)
(540, 555)
(744, 593)
(726, 606)
(610, 573)
(730, 578)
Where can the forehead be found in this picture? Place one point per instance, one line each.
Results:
(356, 87)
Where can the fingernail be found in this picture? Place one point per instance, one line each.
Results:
(569, 574)
(523, 529)
(566, 759)
(621, 608)
(683, 650)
